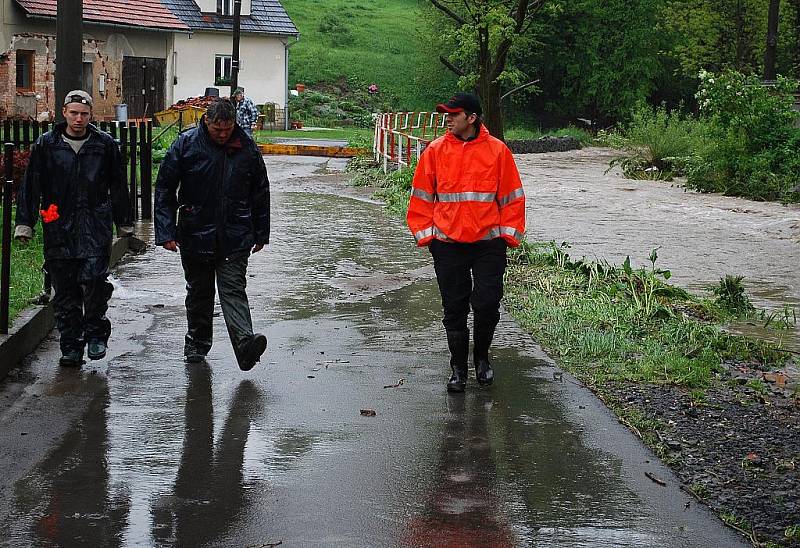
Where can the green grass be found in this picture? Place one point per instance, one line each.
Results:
(519, 133)
(394, 189)
(26, 271)
(607, 323)
(367, 42)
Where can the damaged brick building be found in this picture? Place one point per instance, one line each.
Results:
(144, 53)
(125, 48)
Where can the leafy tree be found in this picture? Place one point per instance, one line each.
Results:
(615, 58)
(598, 59)
(481, 36)
(719, 35)
(793, 36)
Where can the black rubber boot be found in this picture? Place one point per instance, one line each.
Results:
(71, 358)
(250, 351)
(458, 341)
(480, 355)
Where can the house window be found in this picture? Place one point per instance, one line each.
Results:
(25, 70)
(88, 78)
(222, 70)
(225, 7)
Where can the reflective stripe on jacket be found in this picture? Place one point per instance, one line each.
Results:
(467, 191)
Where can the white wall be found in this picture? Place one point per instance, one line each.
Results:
(262, 71)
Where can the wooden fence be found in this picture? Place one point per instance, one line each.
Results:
(135, 140)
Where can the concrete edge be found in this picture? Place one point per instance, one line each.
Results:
(311, 150)
(34, 323)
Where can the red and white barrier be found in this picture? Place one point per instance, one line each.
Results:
(400, 137)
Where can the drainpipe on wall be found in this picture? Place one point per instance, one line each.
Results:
(286, 46)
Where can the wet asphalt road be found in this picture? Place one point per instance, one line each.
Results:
(140, 449)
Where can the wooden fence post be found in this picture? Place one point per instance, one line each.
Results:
(5, 254)
(146, 168)
(134, 190)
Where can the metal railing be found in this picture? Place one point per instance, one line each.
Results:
(400, 137)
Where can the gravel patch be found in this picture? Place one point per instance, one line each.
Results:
(737, 450)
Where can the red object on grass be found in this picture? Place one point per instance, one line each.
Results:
(50, 214)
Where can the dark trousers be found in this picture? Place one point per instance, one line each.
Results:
(81, 300)
(470, 274)
(231, 281)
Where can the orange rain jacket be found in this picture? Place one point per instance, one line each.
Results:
(466, 191)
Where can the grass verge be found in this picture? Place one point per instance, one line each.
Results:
(26, 271)
(524, 134)
(614, 323)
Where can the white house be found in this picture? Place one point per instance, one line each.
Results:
(202, 58)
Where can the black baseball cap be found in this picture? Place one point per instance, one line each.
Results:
(459, 102)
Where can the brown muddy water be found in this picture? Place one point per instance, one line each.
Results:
(700, 237)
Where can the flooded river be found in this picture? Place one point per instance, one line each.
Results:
(700, 237)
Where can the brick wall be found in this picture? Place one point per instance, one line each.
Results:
(26, 104)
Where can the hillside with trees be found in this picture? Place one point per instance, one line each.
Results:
(593, 59)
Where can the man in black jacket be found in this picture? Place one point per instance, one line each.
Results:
(212, 203)
(76, 179)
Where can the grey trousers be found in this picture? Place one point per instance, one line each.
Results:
(231, 282)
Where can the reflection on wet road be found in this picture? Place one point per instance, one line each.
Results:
(151, 452)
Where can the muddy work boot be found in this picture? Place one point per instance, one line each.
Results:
(480, 356)
(96, 349)
(458, 341)
(250, 351)
(71, 358)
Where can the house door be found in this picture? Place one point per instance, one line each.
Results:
(143, 85)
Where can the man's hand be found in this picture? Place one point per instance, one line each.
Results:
(124, 231)
(257, 248)
(171, 245)
(23, 234)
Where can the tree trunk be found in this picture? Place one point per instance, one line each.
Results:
(489, 89)
(772, 40)
(796, 49)
(492, 110)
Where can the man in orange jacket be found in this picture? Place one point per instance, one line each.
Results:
(467, 204)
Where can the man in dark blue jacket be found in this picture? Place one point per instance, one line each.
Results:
(76, 179)
(212, 203)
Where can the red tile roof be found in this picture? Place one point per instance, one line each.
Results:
(136, 13)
